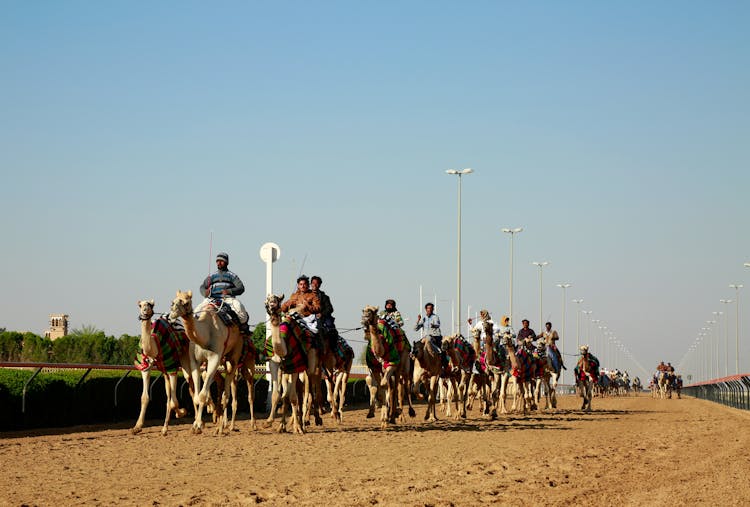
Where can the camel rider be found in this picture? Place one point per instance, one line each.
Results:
(550, 336)
(505, 327)
(392, 313)
(593, 363)
(526, 333)
(484, 316)
(431, 324)
(305, 302)
(221, 287)
(325, 315)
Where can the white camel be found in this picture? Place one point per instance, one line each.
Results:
(210, 341)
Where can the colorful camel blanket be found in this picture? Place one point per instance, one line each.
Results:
(395, 342)
(172, 342)
(342, 349)
(593, 368)
(299, 340)
(525, 370)
(501, 361)
(540, 363)
(466, 353)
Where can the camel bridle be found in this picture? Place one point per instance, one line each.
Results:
(147, 311)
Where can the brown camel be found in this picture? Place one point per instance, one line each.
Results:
(462, 357)
(390, 346)
(292, 367)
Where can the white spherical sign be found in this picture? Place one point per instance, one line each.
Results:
(270, 252)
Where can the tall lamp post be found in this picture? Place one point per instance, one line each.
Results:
(737, 287)
(578, 321)
(512, 232)
(715, 353)
(459, 173)
(588, 313)
(596, 322)
(540, 265)
(563, 286)
(726, 337)
(717, 336)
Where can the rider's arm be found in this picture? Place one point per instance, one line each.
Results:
(238, 288)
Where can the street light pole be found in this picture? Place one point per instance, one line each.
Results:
(737, 287)
(540, 265)
(459, 173)
(596, 323)
(563, 286)
(588, 313)
(512, 232)
(726, 337)
(578, 321)
(717, 320)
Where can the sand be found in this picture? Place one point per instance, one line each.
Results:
(628, 451)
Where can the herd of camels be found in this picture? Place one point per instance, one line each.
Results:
(487, 370)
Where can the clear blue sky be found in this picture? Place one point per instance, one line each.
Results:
(615, 133)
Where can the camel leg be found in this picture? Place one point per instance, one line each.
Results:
(430, 414)
(275, 374)
(233, 389)
(205, 392)
(170, 386)
(372, 386)
(146, 376)
(342, 380)
(249, 375)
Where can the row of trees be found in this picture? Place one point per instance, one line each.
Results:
(85, 345)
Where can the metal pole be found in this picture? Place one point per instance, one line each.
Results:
(458, 269)
(736, 288)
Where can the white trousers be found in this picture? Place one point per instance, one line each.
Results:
(234, 303)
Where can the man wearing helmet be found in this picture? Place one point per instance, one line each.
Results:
(222, 286)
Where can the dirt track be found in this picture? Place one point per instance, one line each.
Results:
(628, 451)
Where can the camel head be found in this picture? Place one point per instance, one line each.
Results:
(448, 343)
(475, 333)
(273, 304)
(182, 305)
(146, 309)
(369, 315)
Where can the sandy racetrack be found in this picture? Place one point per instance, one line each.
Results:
(628, 451)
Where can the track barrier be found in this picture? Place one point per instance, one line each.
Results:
(733, 391)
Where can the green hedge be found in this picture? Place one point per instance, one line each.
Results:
(53, 400)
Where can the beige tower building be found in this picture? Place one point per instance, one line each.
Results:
(58, 326)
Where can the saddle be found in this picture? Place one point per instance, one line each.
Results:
(225, 313)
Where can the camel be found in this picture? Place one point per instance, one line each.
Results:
(479, 382)
(586, 374)
(211, 341)
(637, 386)
(554, 367)
(543, 378)
(167, 349)
(428, 367)
(390, 346)
(462, 357)
(337, 364)
(665, 388)
(520, 362)
(499, 368)
(291, 345)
